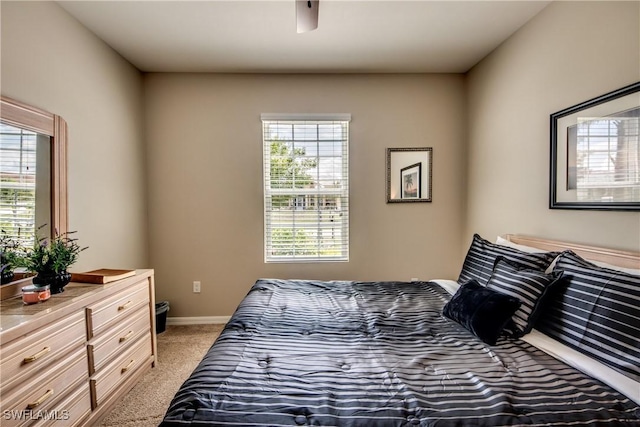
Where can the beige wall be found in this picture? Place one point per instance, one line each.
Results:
(50, 61)
(203, 153)
(205, 179)
(569, 53)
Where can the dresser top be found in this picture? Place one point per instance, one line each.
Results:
(16, 318)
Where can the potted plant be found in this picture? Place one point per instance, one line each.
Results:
(50, 259)
(9, 256)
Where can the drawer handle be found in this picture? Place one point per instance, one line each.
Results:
(126, 337)
(38, 402)
(124, 306)
(37, 356)
(126, 368)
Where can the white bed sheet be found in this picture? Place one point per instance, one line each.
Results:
(571, 357)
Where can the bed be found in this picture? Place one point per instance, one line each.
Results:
(345, 353)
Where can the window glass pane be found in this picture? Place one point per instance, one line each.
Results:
(305, 132)
(306, 190)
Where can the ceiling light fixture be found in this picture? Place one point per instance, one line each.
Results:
(307, 15)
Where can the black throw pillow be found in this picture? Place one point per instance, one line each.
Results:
(482, 311)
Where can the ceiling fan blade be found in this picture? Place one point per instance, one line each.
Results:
(307, 15)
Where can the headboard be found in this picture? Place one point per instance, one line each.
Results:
(615, 257)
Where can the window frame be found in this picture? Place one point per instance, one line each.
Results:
(309, 194)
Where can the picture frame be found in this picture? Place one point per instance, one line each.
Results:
(595, 153)
(413, 168)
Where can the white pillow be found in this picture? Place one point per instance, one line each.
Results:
(450, 286)
(504, 242)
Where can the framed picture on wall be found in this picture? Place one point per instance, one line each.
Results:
(409, 172)
(595, 153)
(410, 179)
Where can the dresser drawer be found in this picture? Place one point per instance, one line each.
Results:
(41, 394)
(29, 356)
(115, 308)
(118, 371)
(71, 411)
(114, 341)
(45, 350)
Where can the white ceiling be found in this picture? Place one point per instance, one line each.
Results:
(260, 36)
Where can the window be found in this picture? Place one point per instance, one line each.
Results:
(306, 187)
(18, 183)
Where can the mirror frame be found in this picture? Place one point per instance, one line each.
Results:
(417, 160)
(25, 116)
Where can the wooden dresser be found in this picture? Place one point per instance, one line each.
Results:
(68, 360)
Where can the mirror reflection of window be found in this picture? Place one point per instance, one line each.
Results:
(603, 157)
(24, 183)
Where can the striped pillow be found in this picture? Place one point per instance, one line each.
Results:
(478, 264)
(596, 311)
(529, 286)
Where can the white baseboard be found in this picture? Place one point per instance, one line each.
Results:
(200, 320)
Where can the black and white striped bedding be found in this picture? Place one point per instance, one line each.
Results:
(481, 257)
(379, 354)
(596, 310)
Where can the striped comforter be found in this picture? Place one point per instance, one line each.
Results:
(378, 354)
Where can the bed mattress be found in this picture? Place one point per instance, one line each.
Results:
(379, 354)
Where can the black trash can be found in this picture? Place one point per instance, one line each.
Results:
(161, 316)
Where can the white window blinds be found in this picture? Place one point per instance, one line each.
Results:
(604, 158)
(306, 187)
(18, 183)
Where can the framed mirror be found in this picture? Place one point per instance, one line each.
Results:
(409, 174)
(595, 153)
(33, 175)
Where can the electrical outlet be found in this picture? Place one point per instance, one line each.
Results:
(196, 287)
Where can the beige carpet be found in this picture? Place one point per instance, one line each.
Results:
(180, 348)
